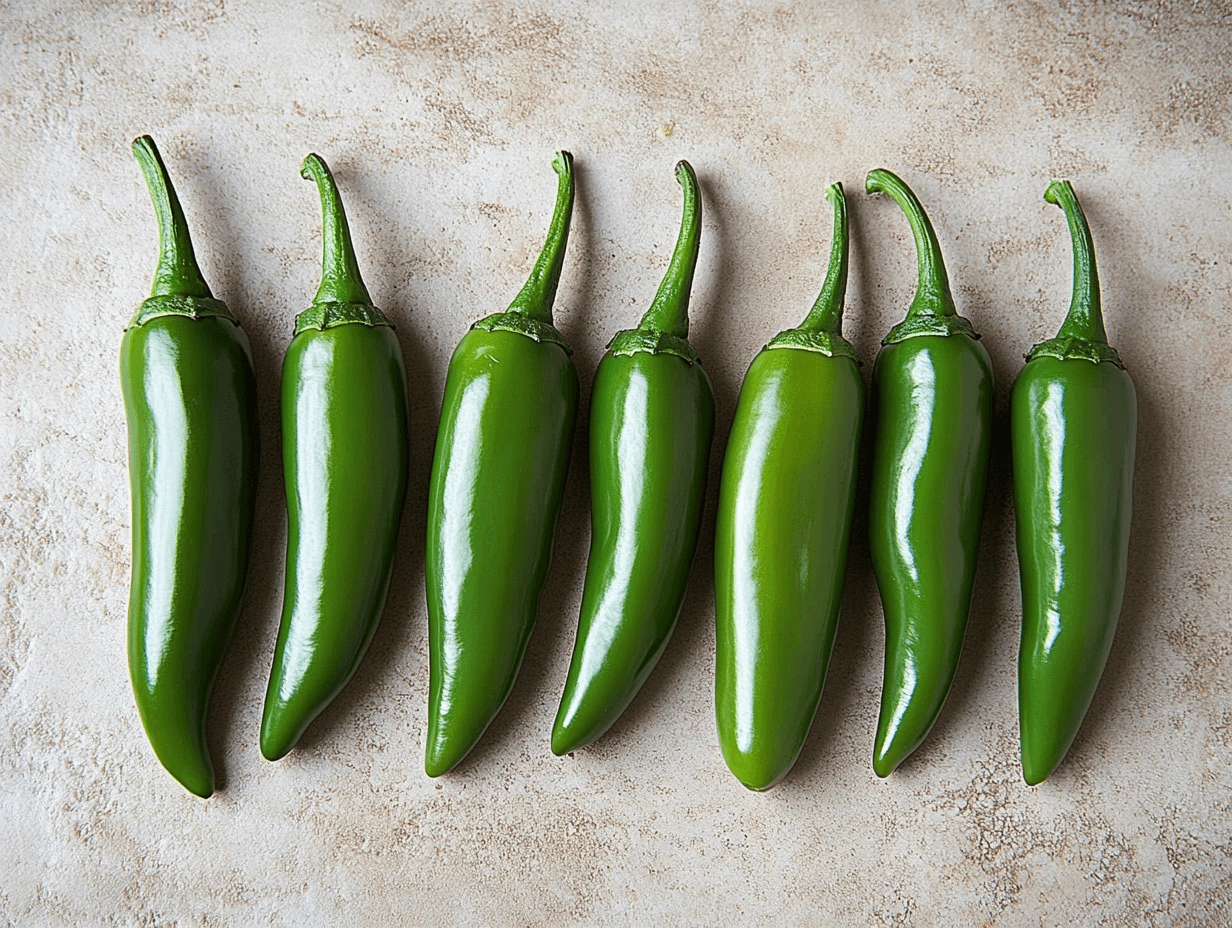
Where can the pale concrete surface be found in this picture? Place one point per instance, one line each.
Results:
(440, 123)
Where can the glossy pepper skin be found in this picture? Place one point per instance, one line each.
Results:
(933, 392)
(344, 454)
(784, 522)
(1073, 425)
(190, 397)
(651, 422)
(498, 477)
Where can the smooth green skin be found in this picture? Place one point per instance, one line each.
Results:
(345, 463)
(933, 392)
(934, 399)
(651, 424)
(786, 503)
(344, 452)
(190, 398)
(785, 507)
(498, 478)
(1073, 422)
(1074, 427)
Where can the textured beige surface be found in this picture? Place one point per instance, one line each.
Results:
(440, 124)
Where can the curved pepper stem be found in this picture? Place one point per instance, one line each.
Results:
(178, 273)
(1085, 319)
(340, 279)
(827, 313)
(537, 295)
(932, 296)
(669, 312)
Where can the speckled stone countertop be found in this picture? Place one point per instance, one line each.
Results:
(440, 120)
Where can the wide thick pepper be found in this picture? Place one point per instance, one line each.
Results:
(1074, 425)
(933, 393)
(344, 458)
(191, 400)
(651, 422)
(785, 508)
(498, 478)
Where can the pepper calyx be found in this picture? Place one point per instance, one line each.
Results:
(651, 341)
(1069, 348)
(534, 329)
(195, 307)
(330, 314)
(831, 344)
(929, 324)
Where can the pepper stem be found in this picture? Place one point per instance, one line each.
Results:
(1085, 319)
(669, 312)
(340, 279)
(178, 273)
(537, 295)
(827, 313)
(932, 295)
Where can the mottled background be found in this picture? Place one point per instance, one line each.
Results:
(440, 120)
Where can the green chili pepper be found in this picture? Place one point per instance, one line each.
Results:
(785, 507)
(344, 455)
(933, 391)
(651, 422)
(498, 476)
(1074, 423)
(191, 401)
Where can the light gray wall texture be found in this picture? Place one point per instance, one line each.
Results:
(440, 120)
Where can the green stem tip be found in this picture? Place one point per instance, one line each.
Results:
(827, 313)
(932, 297)
(1085, 319)
(537, 295)
(178, 273)
(669, 312)
(340, 278)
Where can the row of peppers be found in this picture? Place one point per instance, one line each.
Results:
(786, 500)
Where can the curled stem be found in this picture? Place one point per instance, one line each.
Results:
(537, 295)
(340, 278)
(669, 312)
(827, 313)
(932, 297)
(1085, 319)
(178, 273)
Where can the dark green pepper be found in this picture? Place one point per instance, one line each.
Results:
(191, 400)
(651, 422)
(785, 507)
(344, 456)
(1074, 423)
(498, 477)
(933, 391)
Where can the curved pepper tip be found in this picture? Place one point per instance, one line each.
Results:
(197, 776)
(1039, 764)
(277, 736)
(444, 753)
(884, 764)
(435, 766)
(567, 738)
(562, 163)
